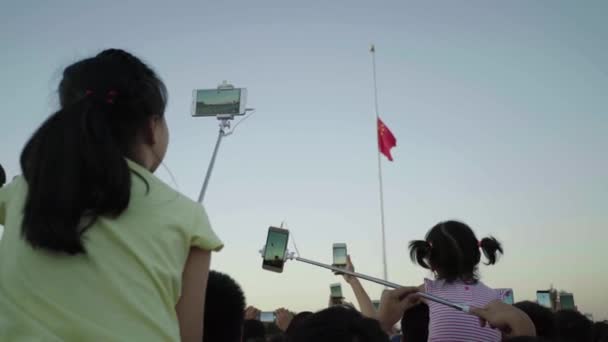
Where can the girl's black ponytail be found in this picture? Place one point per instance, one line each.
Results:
(74, 164)
(490, 248)
(419, 251)
(75, 173)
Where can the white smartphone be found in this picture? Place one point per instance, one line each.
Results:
(267, 317)
(218, 101)
(336, 290)
(544, 298)
(339, 252)
(274, 252)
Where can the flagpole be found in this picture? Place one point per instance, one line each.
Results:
(384, 268)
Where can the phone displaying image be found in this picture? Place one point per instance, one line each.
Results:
(544, 298)
(566, 301)
(376, 304)
(267, 317)
(339, 252)
(507, 296)
(274, 252)
(336, 290)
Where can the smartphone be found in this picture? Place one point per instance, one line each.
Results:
(544, 298)
(274, 252)
(376, 304)
(566, 301)
(339, 254)
(212, 102)
(507, 297)
(336, 290)
(267, 317)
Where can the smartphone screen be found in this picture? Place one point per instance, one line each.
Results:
(507, 296)
(274, 253)
(544, 299)
(267, 317)
(340, 254)
(566, 301)
(336, 290)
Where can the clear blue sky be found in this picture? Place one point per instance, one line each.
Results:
(499, 108)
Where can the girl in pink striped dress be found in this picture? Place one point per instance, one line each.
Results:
(451, 250)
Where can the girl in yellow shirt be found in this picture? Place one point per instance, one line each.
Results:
(95, 247)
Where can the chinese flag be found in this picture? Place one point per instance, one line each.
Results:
(386, 140)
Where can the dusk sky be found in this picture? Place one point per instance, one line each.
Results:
(500, 111)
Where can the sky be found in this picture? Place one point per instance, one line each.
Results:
(499, 109)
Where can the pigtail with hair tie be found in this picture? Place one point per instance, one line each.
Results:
(490, 248)
(419, 251)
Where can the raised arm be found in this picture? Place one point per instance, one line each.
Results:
(365, 303)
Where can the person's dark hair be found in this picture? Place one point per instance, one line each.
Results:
(452, 250)
(600, 332)
(252, 329)
(278, 337)
(74, 163)
(338, 324)
(2, 176)
(224, 308)
(542, 317)
(573, 326)
(415, 324)
(527, 339)
(297, 320)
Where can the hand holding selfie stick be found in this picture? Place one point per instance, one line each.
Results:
(292, 256)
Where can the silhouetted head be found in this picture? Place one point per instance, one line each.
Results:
(338, 324)
(297, 320)
(542, 317)
(224, 309)
(600, 332)
(453, 252)
(573, 326)
(253, 329)
(112, 108)
(2, 176)
(415, 324)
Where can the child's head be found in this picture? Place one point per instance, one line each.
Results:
(452, 251)
(111, 108)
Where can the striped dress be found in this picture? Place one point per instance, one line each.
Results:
(448, 324)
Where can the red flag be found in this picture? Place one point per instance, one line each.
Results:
(386, 140)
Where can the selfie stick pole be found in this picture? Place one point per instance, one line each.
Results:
(224, 124)
(342, 270)
(457, 306)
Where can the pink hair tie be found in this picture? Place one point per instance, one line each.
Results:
(479, 244)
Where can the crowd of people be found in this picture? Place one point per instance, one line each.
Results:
(96, 248)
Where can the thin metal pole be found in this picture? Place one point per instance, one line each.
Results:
(384, 267)
(354, 274)
(457, 306)
(220, 135)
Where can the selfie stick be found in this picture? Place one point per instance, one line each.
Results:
(461, 307)
(223, 132)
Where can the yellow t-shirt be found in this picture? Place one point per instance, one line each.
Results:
(126, 286)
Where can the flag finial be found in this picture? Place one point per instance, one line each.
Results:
(372, 48)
